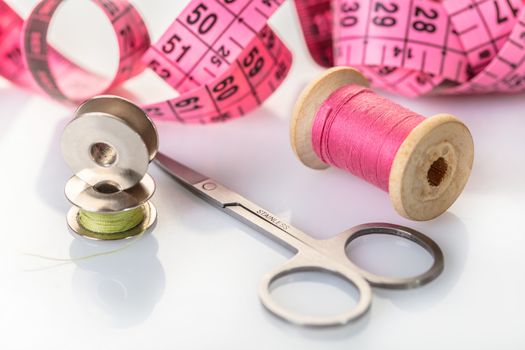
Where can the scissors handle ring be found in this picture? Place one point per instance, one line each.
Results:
(400, 231)
(313, 262)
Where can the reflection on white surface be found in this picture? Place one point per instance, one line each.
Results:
(388, 255)
(119, 289)
(51, 179)
(9, 111)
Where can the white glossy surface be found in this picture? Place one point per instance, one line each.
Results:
(192, 283)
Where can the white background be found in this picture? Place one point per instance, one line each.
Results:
(192, 283)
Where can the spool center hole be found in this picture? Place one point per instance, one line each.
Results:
(103, 154)
(106, 187)
(437, 172)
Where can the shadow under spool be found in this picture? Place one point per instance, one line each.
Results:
(430, 168)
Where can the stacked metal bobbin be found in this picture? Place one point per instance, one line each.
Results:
(109, 145)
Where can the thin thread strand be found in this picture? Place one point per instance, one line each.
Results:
(65, 261)
(361, 132)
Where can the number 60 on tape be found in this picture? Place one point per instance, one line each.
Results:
(220, 55)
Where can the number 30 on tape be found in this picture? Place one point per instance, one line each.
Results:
(220, 55)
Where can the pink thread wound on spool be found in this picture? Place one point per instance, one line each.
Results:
(423, 163)
(360, 131)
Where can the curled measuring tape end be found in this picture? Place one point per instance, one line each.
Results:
(429, 168)
(316, 22)
(421, 47)
(77, 84)
(220, 55)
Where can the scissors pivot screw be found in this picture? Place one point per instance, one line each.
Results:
(209, 186)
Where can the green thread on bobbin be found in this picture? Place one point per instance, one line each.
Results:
(111, 223)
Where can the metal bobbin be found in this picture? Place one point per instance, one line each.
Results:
(109, 145)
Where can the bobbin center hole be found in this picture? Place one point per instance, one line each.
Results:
(103, 154)
(107, 187)
(437, 172)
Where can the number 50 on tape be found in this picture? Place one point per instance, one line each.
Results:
(220, 55)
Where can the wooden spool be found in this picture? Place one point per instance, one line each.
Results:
(430, 168)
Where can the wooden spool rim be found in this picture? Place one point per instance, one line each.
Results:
(307, 106)
(409, 186)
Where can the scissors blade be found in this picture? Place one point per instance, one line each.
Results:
(202, 186)
(180, 172)
(233, 203)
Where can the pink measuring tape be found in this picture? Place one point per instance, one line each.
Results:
(220, 55)
(415, 47)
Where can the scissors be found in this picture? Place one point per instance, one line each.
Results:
(326, 256)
